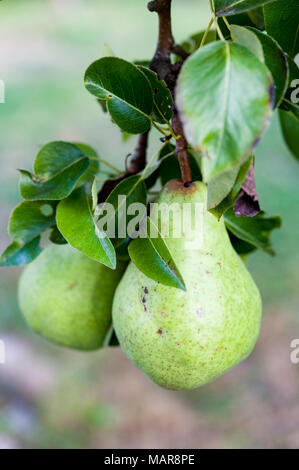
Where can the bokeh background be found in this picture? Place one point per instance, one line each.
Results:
(57, 398)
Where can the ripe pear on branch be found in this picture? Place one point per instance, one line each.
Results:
(67, 297)
(184, 339)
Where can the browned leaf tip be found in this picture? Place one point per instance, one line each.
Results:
(247, 204)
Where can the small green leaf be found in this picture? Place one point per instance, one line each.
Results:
(58, 167)
(247, 38)
(220, 186)
(153, 258)
(257, 18)
(127, 92)
(253, 230)
(276, 61)
(231, 197)
(240, 19)
(240, 95)
(27, 221)
(18, 254)
(290, 129)
(162, 97)
(76, 223)
(281, 21)
(94, 164)
(55, 157)
(231, 7)
(56, 188)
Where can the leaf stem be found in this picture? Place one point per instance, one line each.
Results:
(216, 21)
(107, 164)
(206, 32)
(226, 22)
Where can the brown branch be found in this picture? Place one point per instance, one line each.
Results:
(137, 164)
(138, 159)
(179, 51)
(181, 149)
(161, 64)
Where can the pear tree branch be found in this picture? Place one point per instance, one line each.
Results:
(161, 64)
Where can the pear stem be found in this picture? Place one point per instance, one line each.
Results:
(181, 148)
(161, 64)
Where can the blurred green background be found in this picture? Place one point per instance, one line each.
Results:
(56, 398)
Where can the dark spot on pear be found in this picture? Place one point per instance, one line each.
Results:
(159, 331)
(72, 286)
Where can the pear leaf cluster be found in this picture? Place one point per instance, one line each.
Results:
(228, 82)
(59, 168)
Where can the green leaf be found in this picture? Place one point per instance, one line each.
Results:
(231, 7)
(276, 61)
(291, 98)
(58, 167)
(224, 95)
(253, 230)
(241, 247)
(162, 97)
(192, 44)
(55, 157)
(290, 129)
(281, 21)
(76, 223)
(241, 19)
(127, 92)
(94, 164)
(220, 186)
(247, 38)
(129, 191)
(27, 221)
(18, 254)
(153, 258)
(257, 18)
(56, 237)
(231, 197)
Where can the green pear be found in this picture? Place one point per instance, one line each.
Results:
(184, 339)
(67, 297)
